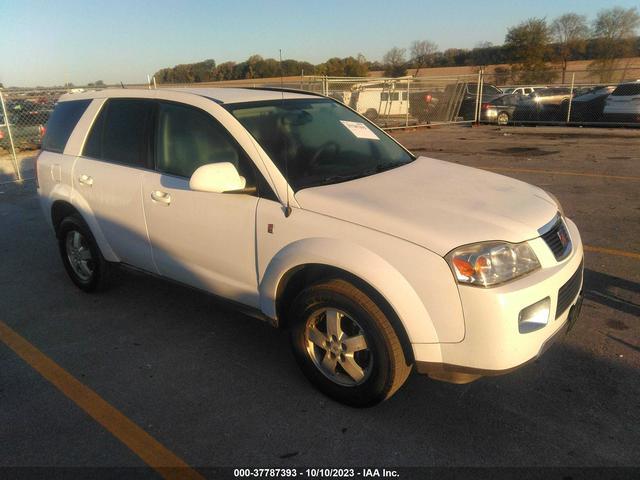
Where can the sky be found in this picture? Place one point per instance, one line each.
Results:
(54, 42)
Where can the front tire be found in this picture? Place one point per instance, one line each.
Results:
(345, 345)
(81, 255)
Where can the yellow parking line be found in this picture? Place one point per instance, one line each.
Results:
(612, 251)
(154, 454)
(556, 172)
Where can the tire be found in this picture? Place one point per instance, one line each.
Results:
(371, 114)
(378, 366)
(81, 255)
(503, 118)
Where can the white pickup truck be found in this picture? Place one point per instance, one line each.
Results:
(306, 214)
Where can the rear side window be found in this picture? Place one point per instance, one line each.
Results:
(121, 132)
(188, 138)
(62, 122)
(627, 89)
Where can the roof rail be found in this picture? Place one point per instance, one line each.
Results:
(287, 90)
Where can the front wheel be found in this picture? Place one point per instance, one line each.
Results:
(345, 345)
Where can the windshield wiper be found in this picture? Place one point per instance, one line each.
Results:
(389, 166)
(383, 167)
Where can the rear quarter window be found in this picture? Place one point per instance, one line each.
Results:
(121, 132)
(63, 120)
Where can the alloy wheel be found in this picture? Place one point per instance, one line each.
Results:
(338, 347)
(79, 255)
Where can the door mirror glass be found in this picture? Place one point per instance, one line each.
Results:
(217, 178)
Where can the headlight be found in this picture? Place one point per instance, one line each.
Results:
(555, 199)
(488, 264)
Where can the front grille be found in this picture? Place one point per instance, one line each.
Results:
(569, 291)
(558, 240)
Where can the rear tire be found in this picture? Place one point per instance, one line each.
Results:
(503, 118)
(81, 255)
(371, 114)
(345, 345)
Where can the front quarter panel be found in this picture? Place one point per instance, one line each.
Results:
(416, 282)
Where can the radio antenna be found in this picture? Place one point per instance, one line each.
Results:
(287, 208)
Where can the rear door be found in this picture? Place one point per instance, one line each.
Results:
(203, 239)
(108, 176)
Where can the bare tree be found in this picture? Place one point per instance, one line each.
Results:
(570, 31)
(614, 30)
(421, 52)
(395, 64)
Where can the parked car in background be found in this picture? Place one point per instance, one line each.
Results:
(374, 100)
(27, 120)
(470, 97)
(543, 105)
(500, 109)
(313, 219)
(623, 105)
(588, 106)
(522, 91)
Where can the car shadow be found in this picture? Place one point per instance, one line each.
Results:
(611, 291)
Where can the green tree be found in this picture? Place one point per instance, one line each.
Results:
(614, 30)
(224, 71)
(528, 47)
(395, 64)
(570, 32)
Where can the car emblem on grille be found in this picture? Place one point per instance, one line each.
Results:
(562, 236)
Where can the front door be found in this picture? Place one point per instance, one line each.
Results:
(203, 239)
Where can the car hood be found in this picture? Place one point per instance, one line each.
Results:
(438, 205)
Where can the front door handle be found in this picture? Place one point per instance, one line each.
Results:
(161, 197)
(85, 180)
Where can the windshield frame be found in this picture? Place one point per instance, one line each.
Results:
(315, 98)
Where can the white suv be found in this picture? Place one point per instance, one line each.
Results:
(305, 213)
(623, 105)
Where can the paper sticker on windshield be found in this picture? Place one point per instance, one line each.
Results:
(360, 130)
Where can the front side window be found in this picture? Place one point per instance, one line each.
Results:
(63, 120)
(188, 138)
(318, 141)
(121, 132)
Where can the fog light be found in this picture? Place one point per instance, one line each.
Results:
(534, 316)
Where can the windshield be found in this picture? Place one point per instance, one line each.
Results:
(322, 141)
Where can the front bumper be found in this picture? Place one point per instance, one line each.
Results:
(493, 343)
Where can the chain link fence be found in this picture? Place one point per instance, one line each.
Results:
(576, 101)
(484, 97)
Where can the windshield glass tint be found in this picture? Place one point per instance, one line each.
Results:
(322, 141)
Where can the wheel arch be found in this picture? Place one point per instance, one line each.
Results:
(300, 276)
(60, 209)
(316, 258)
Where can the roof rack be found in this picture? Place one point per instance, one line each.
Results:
(287, 90)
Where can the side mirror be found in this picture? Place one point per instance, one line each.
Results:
(217, 178)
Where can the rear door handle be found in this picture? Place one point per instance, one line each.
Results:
(85, 180)
(161, 197)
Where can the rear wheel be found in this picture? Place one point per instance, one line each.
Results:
(345, 344)
(503, 118)
(371, 114)
(81, 255)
